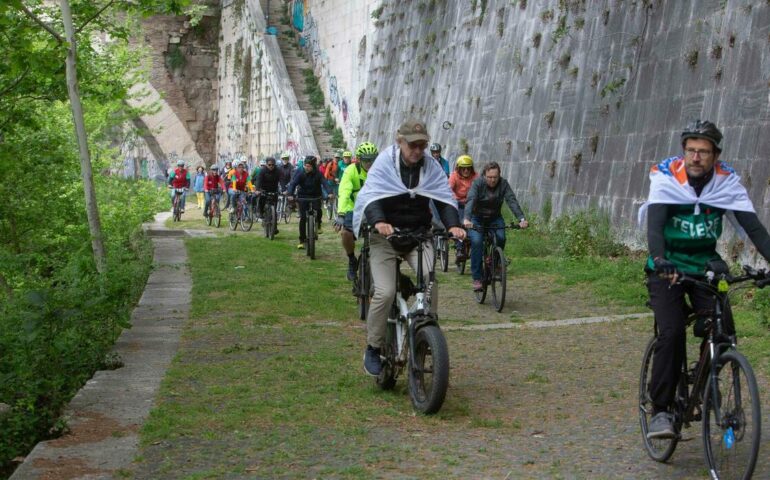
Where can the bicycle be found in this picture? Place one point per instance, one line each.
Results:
(720, 389)
(441, 248)
(362, 284)
(270, 217)
(310, 226)
(214, 214)
(413, 339)
(493, 267)
(331, 207)
(460, 263)
(242, 213)
(177, 204)
(282, 208)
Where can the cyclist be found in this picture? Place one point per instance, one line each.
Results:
(483, 208)
(352, 181)
(240, 185)
(342, 164)
(227, 173)
(311, 185)
(286, 171)
(689, 194)
(267, 181)
(179, 178)
(330, 174)
(460, 182)
(212, 183)
(435, 152)
(396, 195)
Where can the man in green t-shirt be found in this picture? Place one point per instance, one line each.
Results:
(689, 195)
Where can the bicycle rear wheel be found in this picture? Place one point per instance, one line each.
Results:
(217, 215)
(498, 278)
(247, 220)
(386, 380)
(429, 370)
(233, 220)
(659, 449)
(443, 253)
(731, 442)
(310, 236)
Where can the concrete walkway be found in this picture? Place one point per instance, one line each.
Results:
(106, 414)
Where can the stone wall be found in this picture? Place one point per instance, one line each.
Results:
(576, 99)
(258, 111)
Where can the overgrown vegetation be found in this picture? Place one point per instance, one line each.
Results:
(313, 89)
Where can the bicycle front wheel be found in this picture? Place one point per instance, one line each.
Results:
(210, 211)
(429, 370)
(731, 418)
(481, 295)
(386, 380)
(217, 215)
(443, 252)
(177, 209)
(311, 236)
(233, 219)
(247, 220)
(659, 449)
(498, 278)
(364, 286)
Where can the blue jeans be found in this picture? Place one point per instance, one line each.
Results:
(173, 192)
(233, 196)
(477, 242)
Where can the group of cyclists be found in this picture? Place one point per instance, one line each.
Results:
(409, 186)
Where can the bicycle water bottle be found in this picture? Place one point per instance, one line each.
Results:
(729, 438)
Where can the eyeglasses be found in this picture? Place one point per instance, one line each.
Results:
(417, 145)
(692, 152)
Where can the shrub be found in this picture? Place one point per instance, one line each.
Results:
(586, 233)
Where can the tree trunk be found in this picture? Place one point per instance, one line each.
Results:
(92, 209)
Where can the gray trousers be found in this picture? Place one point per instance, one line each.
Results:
(382, 260)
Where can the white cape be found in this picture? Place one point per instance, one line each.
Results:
(668, 184)
(384, 180)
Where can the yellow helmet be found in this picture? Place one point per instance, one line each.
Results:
(464, 161)
(347, 154)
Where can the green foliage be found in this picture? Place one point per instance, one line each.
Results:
(175, 58)
(313, 89)
(329, 122)
(586, 233)
(612, 87)
(338, 140)
(377, 12)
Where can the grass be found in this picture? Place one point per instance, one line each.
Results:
(268, 383)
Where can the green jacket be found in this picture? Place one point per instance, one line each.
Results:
(352, 181)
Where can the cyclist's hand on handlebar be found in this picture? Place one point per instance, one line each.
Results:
(339, 222)
(457, 233)
(665, 269)
(467, 224)
(523, 224)
(384, 229)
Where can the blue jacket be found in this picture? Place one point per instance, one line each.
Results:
(310, 185)
(198, 182)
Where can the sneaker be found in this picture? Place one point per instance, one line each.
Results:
(181, 211)
(372, 361)
(477, 286)
(301, 246)
(232, 209)
(276, 231)
(352, 267)
(318, 230)
(661, 426)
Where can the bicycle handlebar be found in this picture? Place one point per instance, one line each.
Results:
(760, 277)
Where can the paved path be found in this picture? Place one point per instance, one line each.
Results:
(106, 414)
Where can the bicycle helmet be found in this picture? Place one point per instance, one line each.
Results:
(703, 129)
(310, 160)
(214, 168)
(347, 154)
(180, 163)
(262, 162)
(464, 161)
(435, 147)
(367, 151)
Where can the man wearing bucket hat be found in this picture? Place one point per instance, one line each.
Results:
(399, 187)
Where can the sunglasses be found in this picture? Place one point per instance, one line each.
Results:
(416, 145)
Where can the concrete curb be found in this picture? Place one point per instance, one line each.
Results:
(106, 414)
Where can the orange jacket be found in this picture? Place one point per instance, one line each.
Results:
(331, 171)
(460, 185)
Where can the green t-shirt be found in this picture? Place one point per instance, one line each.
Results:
(691, 240)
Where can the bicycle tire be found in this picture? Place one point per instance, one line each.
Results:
(233, 220)
(310, 230)
(217, 215)
(177, 209)
(498, 279)
(658, 449)
(247, 218)
(481, 295)
(431, 356)
(443, 251)
(364, 286)
(272, 217)
(739, 403)
(386, 380)
(461, 264)
(210, 210)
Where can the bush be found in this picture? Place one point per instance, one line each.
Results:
(586, 233)
(313, 89)
(55, 332)
(338, 140)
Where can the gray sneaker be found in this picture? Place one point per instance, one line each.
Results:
(661, 426)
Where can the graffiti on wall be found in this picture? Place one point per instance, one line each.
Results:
(292, 148)
(334, 96)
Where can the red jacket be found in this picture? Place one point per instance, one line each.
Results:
(240, 180)
(213, 182)
(460, 185)
(181, 178)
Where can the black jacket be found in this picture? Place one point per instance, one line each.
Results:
(310, 184)
(268, 179)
